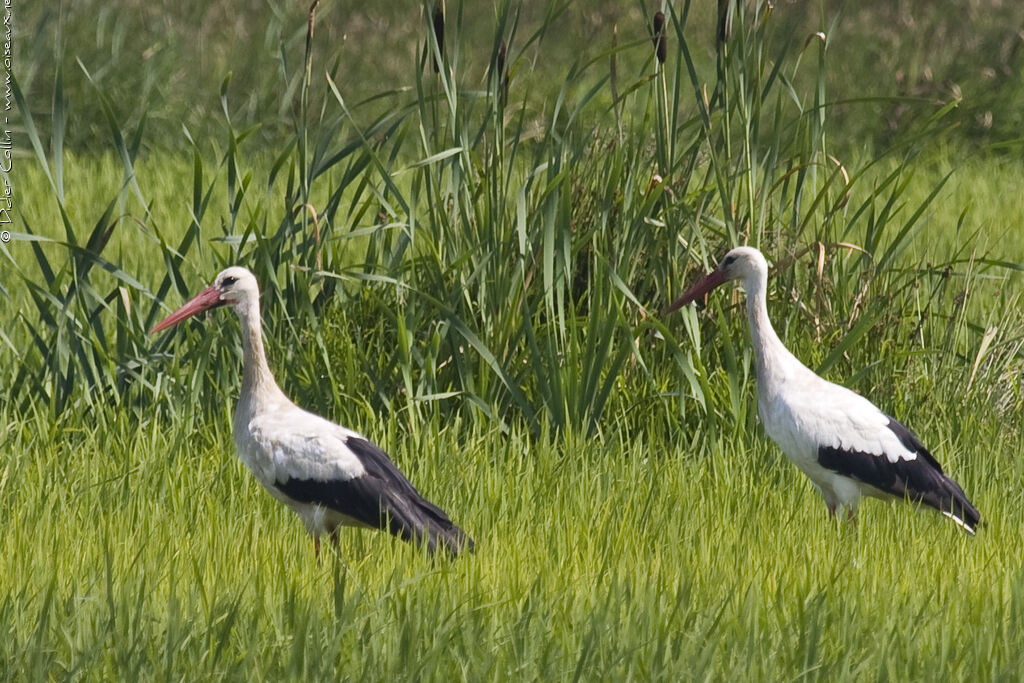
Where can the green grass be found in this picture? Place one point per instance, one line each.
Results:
(147, 550)
(472, 279)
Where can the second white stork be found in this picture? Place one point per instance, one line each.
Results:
(840, 440)
(329, 475)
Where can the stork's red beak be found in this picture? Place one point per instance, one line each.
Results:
(703, 286)
(204, 300)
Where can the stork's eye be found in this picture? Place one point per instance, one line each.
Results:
(729, 260)
(228, 281)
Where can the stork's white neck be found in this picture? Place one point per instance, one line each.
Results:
(258, 385)
(773, 358)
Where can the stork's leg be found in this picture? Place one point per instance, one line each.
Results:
(335, 539)
(831, 508)
(316, 546)
(851, 514)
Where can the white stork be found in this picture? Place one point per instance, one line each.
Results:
(329, 475)
(839, 439)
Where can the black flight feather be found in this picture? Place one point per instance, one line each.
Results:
(382, 498)
(920, 480)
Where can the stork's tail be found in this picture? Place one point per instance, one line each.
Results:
(452, 538)
(956, 506)
(417, 520)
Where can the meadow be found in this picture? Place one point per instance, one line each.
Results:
(467, 265)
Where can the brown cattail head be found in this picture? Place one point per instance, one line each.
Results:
(660, 40)
(725, 12)
(502, 71)
(438, 33)
(501, 58)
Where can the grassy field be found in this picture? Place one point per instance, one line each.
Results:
(148, 550)
(472, 277)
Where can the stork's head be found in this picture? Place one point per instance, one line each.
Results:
(234, 286)
(741, 263)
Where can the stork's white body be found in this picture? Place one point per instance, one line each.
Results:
(844, 444)
(823, 414)
(286, 443)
